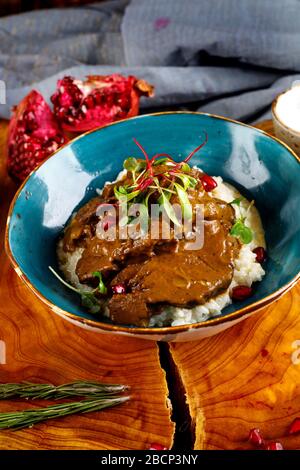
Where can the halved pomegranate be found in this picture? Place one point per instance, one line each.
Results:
(83, 105)
(33, 134)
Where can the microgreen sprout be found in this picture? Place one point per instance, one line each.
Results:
(160, 175)
(88, 298)
(239, 229)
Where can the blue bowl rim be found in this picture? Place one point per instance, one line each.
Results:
(237, 314)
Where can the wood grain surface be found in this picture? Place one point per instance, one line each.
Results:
(42, 347)
(246, 377)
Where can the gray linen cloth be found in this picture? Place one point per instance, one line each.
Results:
(229, 58)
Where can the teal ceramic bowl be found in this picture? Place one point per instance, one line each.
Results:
(259, 165)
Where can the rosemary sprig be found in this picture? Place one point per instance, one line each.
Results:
(34, 391)
(27, 418)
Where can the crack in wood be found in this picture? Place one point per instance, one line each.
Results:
(184, 435)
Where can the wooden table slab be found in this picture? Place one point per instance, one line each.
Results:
(42, 347)
(246, 377)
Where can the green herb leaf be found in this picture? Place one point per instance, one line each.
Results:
(167, 206)
(130, 164)
(144, 214)
(188, 180)
(122, 195)
(185, 180)
(122, 189)
(90, 302)
(241, 231)
(193, 181)
(185, 167)
(185, 202)
(237, 201)
(160, 161)
(141, 165)
(146, 200)
(101, 286)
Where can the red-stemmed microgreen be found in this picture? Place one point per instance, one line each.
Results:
(160, 175)
(187, 159)
(149, 165)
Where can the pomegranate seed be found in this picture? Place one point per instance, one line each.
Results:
(256, 438)
(98, 97)
(58, 139)
(64, 100)
(54, 97)
(89, 102)
(110, 221)
(264, 352)
(61, 113)
(274, 446)
(295, 426)
(72, 111)
(261, 254)
(241, 292)
(208, 183)
(121, 114)
(156, 446)
(109, 100)
(123, 101)
(119, 289)
(40, 154)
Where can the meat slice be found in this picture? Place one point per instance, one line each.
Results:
(185, 279)
(111, 255)
(129, 309)
(190, 277)
(97, 256)
(126, 274)
(80, 226)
